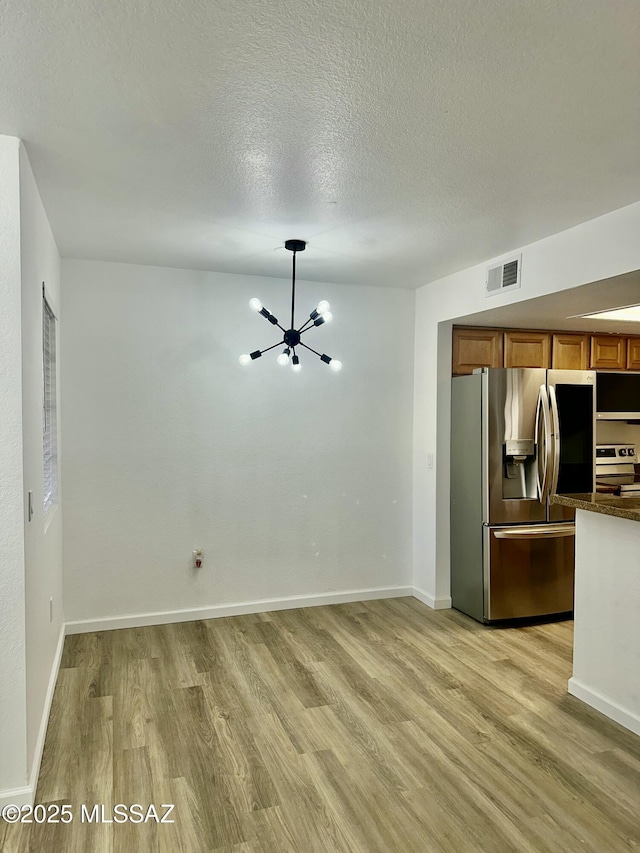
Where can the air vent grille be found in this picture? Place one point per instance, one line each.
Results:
(504, 276)
(510, 274)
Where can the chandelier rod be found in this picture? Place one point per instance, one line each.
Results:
(293, 289)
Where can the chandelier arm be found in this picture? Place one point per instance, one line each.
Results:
(310, 348)
(303, 327)
(308, 329)
(270, 317)
(279, 344)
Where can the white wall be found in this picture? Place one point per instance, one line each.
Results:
(30, 558)
(292, 484)
(43, 537)
(13, 761)
(595, 250)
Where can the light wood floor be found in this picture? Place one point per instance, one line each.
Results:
(379, 726)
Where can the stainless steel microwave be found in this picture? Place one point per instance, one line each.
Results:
(618, 396)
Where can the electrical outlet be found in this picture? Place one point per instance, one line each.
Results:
(51, 610)
(197, 558)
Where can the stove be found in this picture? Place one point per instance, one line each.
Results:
(616, 471)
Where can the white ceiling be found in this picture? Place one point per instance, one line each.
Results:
(405, 140)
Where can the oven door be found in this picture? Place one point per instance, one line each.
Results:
(528, 570)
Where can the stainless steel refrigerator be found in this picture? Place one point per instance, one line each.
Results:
(517, 437)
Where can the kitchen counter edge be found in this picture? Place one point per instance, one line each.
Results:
(606, 504)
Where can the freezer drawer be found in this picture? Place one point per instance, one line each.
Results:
(528, 570)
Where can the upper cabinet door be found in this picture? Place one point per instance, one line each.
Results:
(474, 348)
(608, 352)
(527, 349)
(633, 354)
(570, 351)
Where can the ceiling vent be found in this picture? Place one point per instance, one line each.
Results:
(504, 276)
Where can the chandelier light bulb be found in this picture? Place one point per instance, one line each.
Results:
(255, 304)
(296, 366)
(323, 306)
(336, 365)
(245, 359)
(327, 316)
(283, 358)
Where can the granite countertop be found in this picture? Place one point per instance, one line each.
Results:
(606, 504)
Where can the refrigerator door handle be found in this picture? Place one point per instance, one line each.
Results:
(555, 428)
(548, 531)
(543, 444)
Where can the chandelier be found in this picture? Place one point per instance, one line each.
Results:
(292, 337)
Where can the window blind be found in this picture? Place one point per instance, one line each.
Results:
(49, 416)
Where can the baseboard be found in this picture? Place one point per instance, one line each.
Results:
(605, 706)
(26, 796)
(37, 758)
(291, 602)
(442, 603)
(17, 797)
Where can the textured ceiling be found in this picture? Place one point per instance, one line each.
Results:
(403, 139)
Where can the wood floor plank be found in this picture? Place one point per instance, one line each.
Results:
(270, 831)
(204, 767)
(371, 727)
(254, 789)
(133, 783)
(312, 823)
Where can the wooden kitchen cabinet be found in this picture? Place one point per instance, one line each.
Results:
(474, 348)
(608, 352)
(527, 349)
(570, 351)
(633, 353)
(482, 347)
